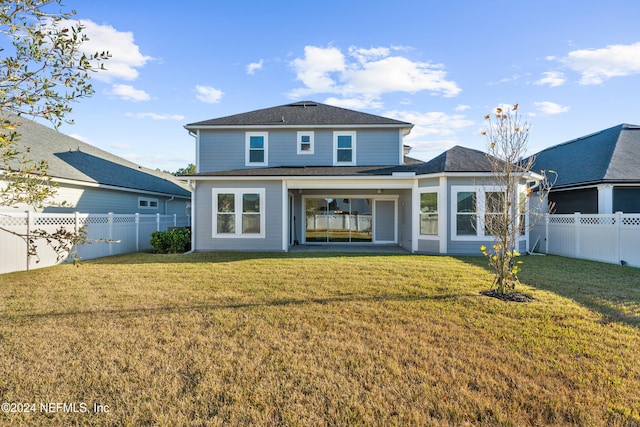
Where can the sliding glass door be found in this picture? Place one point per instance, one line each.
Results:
(338, 220)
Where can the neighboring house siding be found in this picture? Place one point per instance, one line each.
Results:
(272, 211)
(225, 150)
(100, 200)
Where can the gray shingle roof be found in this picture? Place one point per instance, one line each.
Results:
(313, 171)
(456, 159)
(72, 159)
(611, 155)
(303, 113)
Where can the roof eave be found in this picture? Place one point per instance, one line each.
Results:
(408, 126)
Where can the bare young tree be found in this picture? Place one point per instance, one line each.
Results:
(41, 73)
(510, 209)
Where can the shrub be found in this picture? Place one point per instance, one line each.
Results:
(171, 241)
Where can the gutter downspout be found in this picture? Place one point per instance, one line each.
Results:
(166, 203)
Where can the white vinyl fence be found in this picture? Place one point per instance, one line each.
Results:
(339, 222)
(612, 238)
(107, 234)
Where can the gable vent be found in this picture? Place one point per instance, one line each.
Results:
(304, 104)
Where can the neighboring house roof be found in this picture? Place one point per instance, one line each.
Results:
(304, 113)
(71, 159)
(457, 159)
(611, 155)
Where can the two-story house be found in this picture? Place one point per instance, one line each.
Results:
(313, 174)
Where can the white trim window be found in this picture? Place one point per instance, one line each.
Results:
(470, 208)
(256, 148)
(147, 203)
(305, 142)
(344, 148)
(238, 213)
(429, 213)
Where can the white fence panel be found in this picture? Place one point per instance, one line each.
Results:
(563, 230)
(339, 222)
(612, 238)
(106, 234)
(13, 250)
(148, 224)
(630, 240)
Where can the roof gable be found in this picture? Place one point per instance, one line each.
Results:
(304, 113)
(457, 159)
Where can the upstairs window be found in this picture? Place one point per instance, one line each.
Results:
(344, 148)
(256, 148)
(305, 142)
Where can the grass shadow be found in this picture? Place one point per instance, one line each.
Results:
(611, 290)
(230, 305)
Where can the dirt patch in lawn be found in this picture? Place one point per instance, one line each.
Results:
(509, 296)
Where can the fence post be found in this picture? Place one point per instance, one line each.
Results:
(157, 222)
(137, 232)
(76, 227)
(29, 228)
(577, 226)
(110, 233)
(618, 236)
(546, 233)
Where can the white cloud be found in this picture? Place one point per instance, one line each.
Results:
(367, 74)
(598, 65)
(433, 132)
(462, 107)
(129, 93)
(315, 68)
(121, 146)
(155, 116)
(255, 66)
(208, 94)
(125, 54)
(365, 55)
(354, 103)
(547, 107)
(552, 78)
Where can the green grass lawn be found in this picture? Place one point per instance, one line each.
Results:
(319, 339)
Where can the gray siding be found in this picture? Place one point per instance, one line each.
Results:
(404, 220)
(204, 240)
(378, 147)
(429, 246)
(221, 150)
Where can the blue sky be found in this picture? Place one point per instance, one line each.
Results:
(572, 66)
